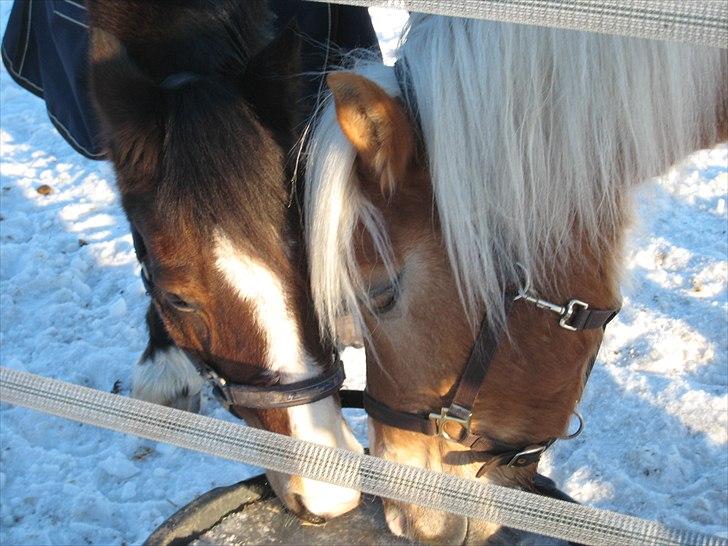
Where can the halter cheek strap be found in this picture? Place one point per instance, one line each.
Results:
(404, 80)
(453, 422)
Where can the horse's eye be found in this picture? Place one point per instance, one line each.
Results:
(383, 300)
(178, 303)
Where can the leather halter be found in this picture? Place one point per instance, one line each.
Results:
(453, 422)
(237, 395)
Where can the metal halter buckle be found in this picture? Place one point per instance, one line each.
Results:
(569, 313)
(442, 418)
(522, 458)
(566, 313)
(218, 388)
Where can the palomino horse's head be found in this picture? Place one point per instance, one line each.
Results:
(198, 130)
(491, 156)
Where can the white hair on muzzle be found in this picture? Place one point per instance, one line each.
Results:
(529, 132)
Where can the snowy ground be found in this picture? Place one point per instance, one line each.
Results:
(71, 308)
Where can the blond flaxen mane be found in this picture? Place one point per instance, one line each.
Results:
(528, 133)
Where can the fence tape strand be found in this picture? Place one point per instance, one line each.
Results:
(699, 22)
(469, 498)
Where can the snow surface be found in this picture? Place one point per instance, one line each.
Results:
(72, 305)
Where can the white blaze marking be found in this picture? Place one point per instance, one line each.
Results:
(257, 284)
(319, 422)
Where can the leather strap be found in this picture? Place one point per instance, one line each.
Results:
(592, 319)
(351, 398)
(404, 80)
(487, 450)
(482, 449)
(413, 422)
(279, 396)
(481, 356)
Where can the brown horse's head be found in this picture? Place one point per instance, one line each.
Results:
(439, 203)
(199, 131)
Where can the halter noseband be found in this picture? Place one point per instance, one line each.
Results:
(453, 422)
(307, 391)
(237, 395)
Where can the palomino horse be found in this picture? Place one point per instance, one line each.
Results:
(198, 117)
(493, 161)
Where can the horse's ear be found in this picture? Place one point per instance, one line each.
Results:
(126, 101)
(271, 79)
(376, 124)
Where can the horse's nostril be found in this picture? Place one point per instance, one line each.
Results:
(304, 513)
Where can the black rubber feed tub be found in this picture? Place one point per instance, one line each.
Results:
(249, 513)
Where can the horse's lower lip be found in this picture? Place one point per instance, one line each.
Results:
(304, 513)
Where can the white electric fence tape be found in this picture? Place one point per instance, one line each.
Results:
(475, 499)
(700, 22)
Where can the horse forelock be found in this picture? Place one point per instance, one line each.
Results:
(534, 138)
(198, 150)
(222, 168)
(192, 35)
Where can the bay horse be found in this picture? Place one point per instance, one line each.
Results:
(468, 207)
(197, 103)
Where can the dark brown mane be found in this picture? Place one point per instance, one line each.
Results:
(203, 36)
(210, 147)
(219, 166)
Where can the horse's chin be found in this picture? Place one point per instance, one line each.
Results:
(311, 500)
(424, 525)
(319, 422)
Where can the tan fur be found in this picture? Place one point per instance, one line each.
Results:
(375, 125)
(418, 350)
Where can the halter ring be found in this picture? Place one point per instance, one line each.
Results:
(578, 430)
(529, 455)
